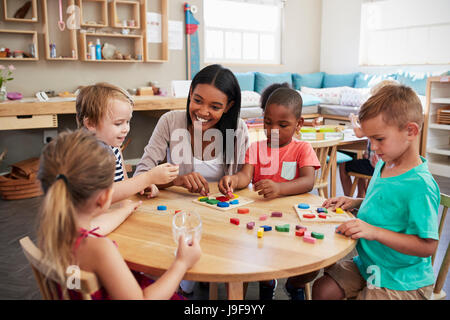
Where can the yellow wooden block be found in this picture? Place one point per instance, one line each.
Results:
(339, 210)
(260, 232)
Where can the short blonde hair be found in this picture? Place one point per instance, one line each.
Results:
(92, 101)
(398, 105)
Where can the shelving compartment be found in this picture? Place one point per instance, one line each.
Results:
(65, 42)
(29, 13)
(125, 14)
(93, 13)
(126, 44)
(20, 40)
(156, 52)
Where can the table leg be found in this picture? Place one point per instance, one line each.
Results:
(235, 290)
(333, 180)
(213, 290)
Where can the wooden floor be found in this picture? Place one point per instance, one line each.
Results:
(18, 219)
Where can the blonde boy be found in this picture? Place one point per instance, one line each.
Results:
(106, 110)
(397, 220)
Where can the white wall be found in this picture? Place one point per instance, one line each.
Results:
(340, 41)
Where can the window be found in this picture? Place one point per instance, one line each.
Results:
(243, 31)
(399, 32)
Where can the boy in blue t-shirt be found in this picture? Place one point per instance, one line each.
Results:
(397, 221)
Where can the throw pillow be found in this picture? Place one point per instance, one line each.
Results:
(250, 99)
(364, 80)
(246, 80)
(327, 95)
(310, 80)
(309, 99)
(263, 80)
(354, 97)
(339, 80)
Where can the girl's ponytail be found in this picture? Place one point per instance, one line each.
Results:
(72, 168)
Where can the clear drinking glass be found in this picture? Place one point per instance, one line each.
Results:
(187, 223)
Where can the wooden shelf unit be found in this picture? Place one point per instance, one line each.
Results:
(34, 16)
(102, 4)
(115, 19)
(436, 137)
(164, 45)
(31, 33)
(138, 45)
(72, 35)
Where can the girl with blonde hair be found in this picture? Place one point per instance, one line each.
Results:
(77, 174)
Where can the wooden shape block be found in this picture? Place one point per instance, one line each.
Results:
(276, 214)
(266, 228)
(243, 210)
(282, 228)
(234, 221)
(250, 225)
(212, 201)
(300, 233)
(309, 216)
(297, 227)
(339, 211)
(317, 235)
(263, 217)
(222, 198)
(303, 206)
(162, 208)
(223, 204)
(309, 239)
(322, 216)
(203, 199)
(235, 201)
(260, 232)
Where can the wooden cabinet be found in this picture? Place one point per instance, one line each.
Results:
(436, 136)
(10, 7)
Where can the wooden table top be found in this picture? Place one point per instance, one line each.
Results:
(230, 253)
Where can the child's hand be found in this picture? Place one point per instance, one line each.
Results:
(194, 182)
(357, 229)
(345, 203)
(188, 254)
(268, 188)
(226, 185)
(130, 205)
(150, 192)
(162, 174)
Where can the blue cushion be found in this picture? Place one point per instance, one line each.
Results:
(310, 80)
(246, 80)
(364, 80)
(341, 157)
(263, 80)
(417, 82)
(309, 99)
(339, 80)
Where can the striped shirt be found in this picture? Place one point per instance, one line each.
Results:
(118, 174)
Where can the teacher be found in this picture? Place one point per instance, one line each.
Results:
(207, 140)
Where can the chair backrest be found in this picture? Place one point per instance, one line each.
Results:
(51, 287)
(326, 153)
(443, 270)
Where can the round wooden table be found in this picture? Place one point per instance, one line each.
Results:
(230, 253)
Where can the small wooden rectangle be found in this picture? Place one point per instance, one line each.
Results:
(443, 115)
(29, 122)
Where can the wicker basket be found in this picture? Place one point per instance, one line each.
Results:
(443, 115)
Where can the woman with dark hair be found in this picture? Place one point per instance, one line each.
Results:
(208, 140)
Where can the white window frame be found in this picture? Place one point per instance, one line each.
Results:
(277, 34)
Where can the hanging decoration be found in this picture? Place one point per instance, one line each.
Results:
(192, 43)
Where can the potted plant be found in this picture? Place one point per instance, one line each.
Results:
(5, 76)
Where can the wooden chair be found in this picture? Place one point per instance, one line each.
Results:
(438, 293)
(357, 176)
(326, 153)
(50, 286)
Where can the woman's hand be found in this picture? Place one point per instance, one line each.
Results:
(194, 182)
(268, 188)
(357, 229)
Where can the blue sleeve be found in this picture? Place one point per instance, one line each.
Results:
(423, 212)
